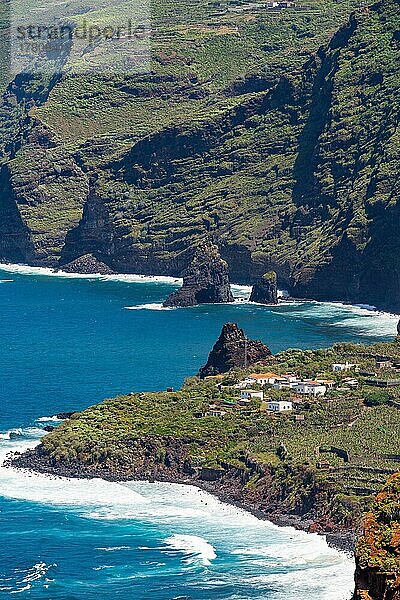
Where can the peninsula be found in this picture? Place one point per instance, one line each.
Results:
(307, 438)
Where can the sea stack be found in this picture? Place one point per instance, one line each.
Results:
(205, 281)
(233, 349)
(265, 290)
(87, 265)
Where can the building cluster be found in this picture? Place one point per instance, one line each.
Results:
(293, 383)
(269, 5)
(255, 386)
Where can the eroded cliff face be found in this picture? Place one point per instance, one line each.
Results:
(294, 173)
(378, 550)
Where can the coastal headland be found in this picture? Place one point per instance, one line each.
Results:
(317, 464)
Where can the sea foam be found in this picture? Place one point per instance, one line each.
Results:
(193, 547)
(197, 527)
(365, 320)
(150, 306)
(127, 278)
(53, 419)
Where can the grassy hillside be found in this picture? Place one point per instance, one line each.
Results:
(272, 132)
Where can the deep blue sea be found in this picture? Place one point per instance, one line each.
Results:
(68, 342)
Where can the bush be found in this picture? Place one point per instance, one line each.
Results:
(377, 398)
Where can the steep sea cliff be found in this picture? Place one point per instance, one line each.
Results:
(286, 157)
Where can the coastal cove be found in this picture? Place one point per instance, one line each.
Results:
(82, 339)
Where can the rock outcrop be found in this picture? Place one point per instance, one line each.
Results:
(233, 349)
(87, 265)
(205, 281)
(265, 290)
(378, 550)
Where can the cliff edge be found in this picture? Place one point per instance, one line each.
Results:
(378, 550)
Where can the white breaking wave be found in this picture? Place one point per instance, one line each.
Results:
(16, 433)
(364, 319)
(53, 419)
(314, 550)
(241, 292)
(6, 280)
(24, 578)
(193, 547)
(127, 278)
(150, 306)
(197, 526)
(37, 572)
(114, 548)
(11, 433)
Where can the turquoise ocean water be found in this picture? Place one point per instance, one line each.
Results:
(68, 342)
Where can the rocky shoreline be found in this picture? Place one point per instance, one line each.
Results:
(228, 486)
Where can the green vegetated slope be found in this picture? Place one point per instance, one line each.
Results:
(272, 132)
(377, 551)
(333, 461)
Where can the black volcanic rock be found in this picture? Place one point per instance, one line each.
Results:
(265, 290)
(205, 281)
(87, 265)
(64, 415)
(232, 349)
(398, 328)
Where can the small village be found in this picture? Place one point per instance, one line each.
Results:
(270, 5)
(291, 394)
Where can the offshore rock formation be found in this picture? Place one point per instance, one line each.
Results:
(87, 265)
(265, 290)
(233, 349)
(378, 550)
(205, 281)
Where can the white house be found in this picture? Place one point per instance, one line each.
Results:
(279, 405)
(352, 383)
(290, 377)
(311, 388)
(281, 384)
(329, 383)
(284, 384)
(344, 366)
(243, 384)
(262, 378)
(250, 394)
(384, 364)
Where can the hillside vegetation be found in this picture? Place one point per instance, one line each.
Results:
(274, 133)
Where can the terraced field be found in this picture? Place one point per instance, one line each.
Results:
(271, 132)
